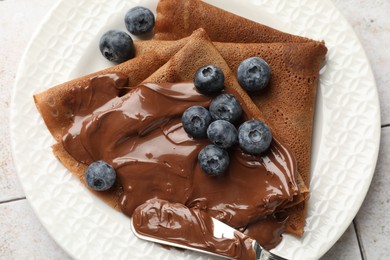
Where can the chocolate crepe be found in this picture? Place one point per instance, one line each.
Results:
(57, 117)
(181, 67)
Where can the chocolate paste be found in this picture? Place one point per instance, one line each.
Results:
(140, 134)
(194, 228)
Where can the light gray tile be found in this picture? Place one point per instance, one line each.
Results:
(346, 248)
(23, 236)
(373, 219)
(370, 20)
(23, 17)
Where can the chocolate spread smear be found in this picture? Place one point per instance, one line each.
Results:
(140, 134)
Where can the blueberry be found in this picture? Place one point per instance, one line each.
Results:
(139, 20)
(195, 121)
(254, 137)
(209, 80)
(222, 133)
(213, 160)
(100, 176)
(253, 74)
(117, 46)
(225, 107)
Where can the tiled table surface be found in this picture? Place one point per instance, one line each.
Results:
(22, 235)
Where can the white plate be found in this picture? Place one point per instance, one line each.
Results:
(347, 127)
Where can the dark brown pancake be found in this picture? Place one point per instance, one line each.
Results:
(289, 62)
(197, 52)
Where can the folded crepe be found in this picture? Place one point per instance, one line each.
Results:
(178, 19)
(181, 67)
(281, 56)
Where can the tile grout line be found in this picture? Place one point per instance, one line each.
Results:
(361, 249)
(12, 200)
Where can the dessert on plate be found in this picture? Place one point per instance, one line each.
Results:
(129, 116)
